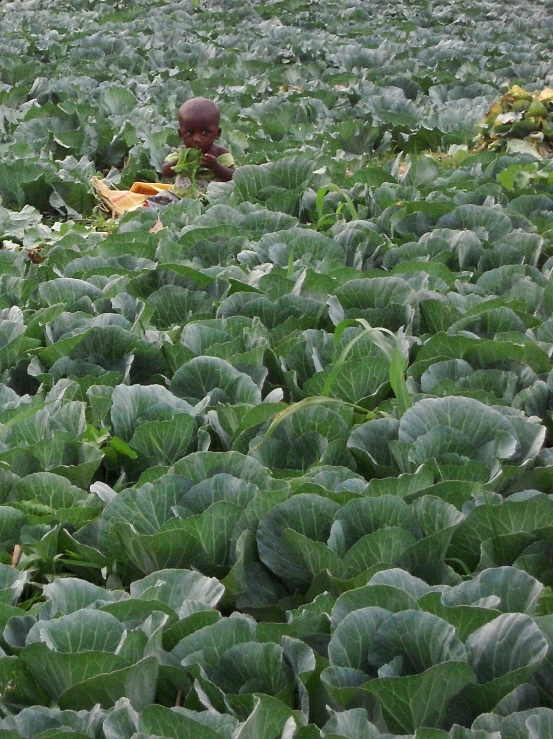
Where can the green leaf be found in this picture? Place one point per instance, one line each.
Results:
(121, 447)
(176, 587)
(508, 643)
(118, 100)
(388, 597)
(462, 426)
(435, 641)
(19, 685)
(487, 222)
(12, 582)
(465, 619)
(164, 442)
(353, 637)
(383, 546)
(214, 640)
(12, 179)
(267, 720)
(188, 163)
(57, 673)
(203, 376)
(11, 523)
(499, 524)
(138, 682)
(310, 515)
(135, 404)
(304, 433)
(251, 667)
(420, 700)
(353, 724)
(81, 631)
(71, 594)
(173, 722)
(65, 501)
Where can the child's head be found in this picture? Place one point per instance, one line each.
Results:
(199, 123)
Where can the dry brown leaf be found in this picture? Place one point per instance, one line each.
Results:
(16, 554)
(34, 256)
(158, 226)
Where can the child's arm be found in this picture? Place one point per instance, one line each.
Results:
(168, 164)
(167, 170)
(222, 173)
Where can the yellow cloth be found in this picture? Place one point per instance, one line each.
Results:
(123, 201)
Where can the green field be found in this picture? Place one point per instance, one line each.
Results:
(278, 465)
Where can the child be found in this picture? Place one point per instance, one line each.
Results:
(199, 129)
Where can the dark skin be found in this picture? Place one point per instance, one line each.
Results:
(199, 129)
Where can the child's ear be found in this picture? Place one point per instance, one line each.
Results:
(218, 132)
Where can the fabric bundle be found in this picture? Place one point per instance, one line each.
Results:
(123, 201)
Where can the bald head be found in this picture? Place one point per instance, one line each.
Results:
(200, 110)
(199, 124)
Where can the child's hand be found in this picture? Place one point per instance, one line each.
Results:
(223, 174)
(167, 170)
(209, 162)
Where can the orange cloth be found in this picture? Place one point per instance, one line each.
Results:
(123, 201)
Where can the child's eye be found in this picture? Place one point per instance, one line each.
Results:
(189, 133)
(205, 133)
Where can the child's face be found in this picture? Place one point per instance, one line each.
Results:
(198, 131)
